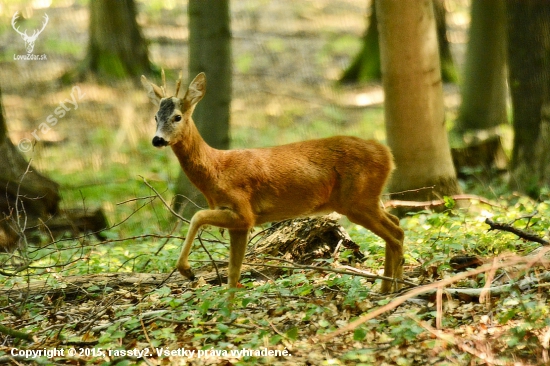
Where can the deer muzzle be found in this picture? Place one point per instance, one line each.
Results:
(159, 141)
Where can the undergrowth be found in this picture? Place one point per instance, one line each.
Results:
(289, 311)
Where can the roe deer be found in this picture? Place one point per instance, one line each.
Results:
(253, 186)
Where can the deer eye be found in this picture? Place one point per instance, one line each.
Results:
(177, 118)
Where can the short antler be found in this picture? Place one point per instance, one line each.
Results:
(178, 83)
(155, 92)
(163, 87)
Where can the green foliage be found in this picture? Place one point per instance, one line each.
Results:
(353, 289)
(298, 305)
(362, 357)
(292, 309)
(405, 330)
(62, 46)
(527, 314)
(338, 46)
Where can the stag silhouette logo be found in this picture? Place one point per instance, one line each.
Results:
(29, 40)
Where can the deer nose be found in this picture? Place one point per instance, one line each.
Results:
(159, 141)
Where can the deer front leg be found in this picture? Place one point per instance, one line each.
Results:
(183, 263)
(225, 218)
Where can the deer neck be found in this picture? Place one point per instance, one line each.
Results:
(197, 159)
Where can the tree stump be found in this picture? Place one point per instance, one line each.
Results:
(305, 240)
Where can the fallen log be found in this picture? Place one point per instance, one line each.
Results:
(73, 285)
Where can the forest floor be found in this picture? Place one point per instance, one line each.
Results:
(115, 300)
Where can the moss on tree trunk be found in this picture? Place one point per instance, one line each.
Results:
(116, 47)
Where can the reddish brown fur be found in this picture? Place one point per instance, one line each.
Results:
(252, 186)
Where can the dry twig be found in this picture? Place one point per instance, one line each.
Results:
(435, 203)
(525, 261)
(520, 233)
(297, 267)
(449, 338)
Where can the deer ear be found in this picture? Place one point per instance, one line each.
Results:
(153, 92)
(196, 89)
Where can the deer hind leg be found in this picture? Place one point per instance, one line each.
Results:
(393, 218)
(237, 250)
(386, 226)
(221, 218)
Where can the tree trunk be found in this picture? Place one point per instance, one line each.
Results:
(414, 110)
(484, 84)
(366, 64)
(116, 47)
(209, 52)
(529, 70)
(448, 69)
(24, 193)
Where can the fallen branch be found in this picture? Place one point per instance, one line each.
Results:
(300, 267)
(520, 233)
(5, 360)
(16, 333)
(496, 290)
(126, 318)
(455, 341)
(208, 324)
(435, 203)
(355, 272)
(527, 261)
(81, 283)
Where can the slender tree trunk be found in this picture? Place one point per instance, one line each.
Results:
(209, 52)
(484, 83)
(366, 64)
(448, 68)
(414, 110)
(116, 48)
(529, 65)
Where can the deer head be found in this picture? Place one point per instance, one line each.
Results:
(174, 113)
(29, 40)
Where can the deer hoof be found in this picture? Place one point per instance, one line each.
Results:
(187, 273)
